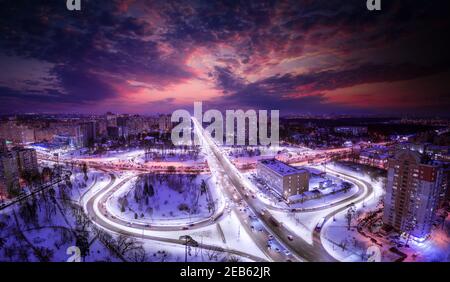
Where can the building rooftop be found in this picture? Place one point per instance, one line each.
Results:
(279, 167)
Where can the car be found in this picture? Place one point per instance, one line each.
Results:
(185, 228)
(287, 253)
(320, 224)
(290, 237)
(270, 236)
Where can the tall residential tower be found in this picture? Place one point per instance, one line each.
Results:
(412, 193)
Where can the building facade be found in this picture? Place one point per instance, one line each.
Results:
(351, 130)
(17, 134)
(165, 123)
(283, 178)
(3, 147)
(9, 174)
(89, 133)
(412, 193)
(26, 160)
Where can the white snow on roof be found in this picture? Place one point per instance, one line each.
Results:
(279, 167)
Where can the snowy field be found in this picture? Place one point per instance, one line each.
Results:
(164, 199)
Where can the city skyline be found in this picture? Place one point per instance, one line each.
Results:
(321, 57)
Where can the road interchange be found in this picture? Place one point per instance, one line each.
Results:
(234, 186)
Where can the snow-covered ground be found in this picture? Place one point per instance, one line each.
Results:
(43, 228)
(176, 199)
(160, 251)
(334, 233)
(350, 245)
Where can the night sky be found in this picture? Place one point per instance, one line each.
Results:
(145, 57)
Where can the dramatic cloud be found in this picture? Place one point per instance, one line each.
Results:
(296, 56)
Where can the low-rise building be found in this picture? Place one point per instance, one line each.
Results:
(377, 156)
(351, 130)
(283, 178)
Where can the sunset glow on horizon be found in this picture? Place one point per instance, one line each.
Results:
(157, 56)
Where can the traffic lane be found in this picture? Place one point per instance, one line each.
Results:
(369, 191)
(106, 225)
(298, 246)
(147, 226)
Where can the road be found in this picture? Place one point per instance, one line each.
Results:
(366, 190)
(106, 193)
(91, 208)
(298, 246)
(234, 185)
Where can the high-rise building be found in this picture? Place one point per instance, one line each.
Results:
(3, 147)
(111, 120)
(26, 159)
(18, 134)
(9, 174)
(412, 193)
(165, 123)
(445, 190)
(113, 132)
(89, 133)
(122, 125)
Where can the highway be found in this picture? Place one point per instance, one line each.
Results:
(234, 186)
(297, 245)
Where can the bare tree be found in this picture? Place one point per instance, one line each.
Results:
(125, 244)
(137, 255)
(232, 258)
(212, 254)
